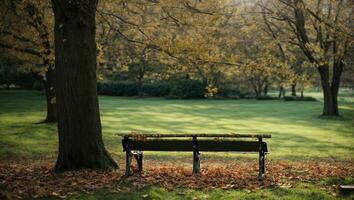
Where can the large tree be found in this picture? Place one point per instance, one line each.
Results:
(79, 125)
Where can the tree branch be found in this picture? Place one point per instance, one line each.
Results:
(22, 50)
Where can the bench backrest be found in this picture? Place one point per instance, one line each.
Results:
(200, 145)
(199, 135)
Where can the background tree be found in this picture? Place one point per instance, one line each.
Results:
(186, 40)
(322, 30)
(25, 32)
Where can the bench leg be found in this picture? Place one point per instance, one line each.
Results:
(196, 162)
(128, 161)
(139, 160)
(261, 166)
(263, 161)
(128, 155)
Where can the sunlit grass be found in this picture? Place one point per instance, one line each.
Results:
(297, 130)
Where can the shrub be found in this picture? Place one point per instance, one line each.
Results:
(177, 87)
(298, 98)
(158, 89)
(130, 89)
(117, 88)
(227, 91)
(265, 97)
(127, 88)
(27, 81)
(187, 89)
(104, 88)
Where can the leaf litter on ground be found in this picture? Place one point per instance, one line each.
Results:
(33, 180)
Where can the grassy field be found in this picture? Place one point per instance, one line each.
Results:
(298, 133)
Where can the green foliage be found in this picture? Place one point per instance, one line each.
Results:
(9, 75)
(182, 88)
(175, 88)
(128, 88)
(7, 72)
(123, 88)
(298, 98)
(27, 81)
(229, 91)
(265, 97)
(157, 89)
(187, 89)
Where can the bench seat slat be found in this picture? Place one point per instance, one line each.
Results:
(219, 135)
(203, 145)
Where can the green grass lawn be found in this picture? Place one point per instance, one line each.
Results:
(298, 133)
(297, 130)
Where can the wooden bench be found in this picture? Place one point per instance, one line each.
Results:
(135, 144)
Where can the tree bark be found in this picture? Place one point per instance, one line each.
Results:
(49, 86)
(141, 74)
(281, 92)
(255, 89)
(140, 87)
(330, 90)
(79, 125)
(265, 91)
(293, 89)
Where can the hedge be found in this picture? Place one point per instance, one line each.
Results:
(299, 98)
(175, 88)
(159, 89)
(265, 97)
(117, 88)
(187, 89)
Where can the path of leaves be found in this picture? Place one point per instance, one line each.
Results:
(38, 180)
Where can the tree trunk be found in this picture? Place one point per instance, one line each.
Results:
(256, 91)
(281, 92)
(140, 87)
(79, 126)
(49, 86)
(330, 91)
(330, 106)
(265, 91)
(258, 87)
(142, 69)
(293, 89)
